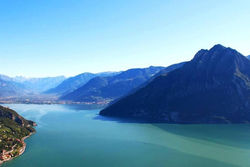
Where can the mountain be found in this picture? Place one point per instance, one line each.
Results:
(14, 128)
(40, 84)
(10, 88)
(166, 70)
(75, 82)
(101, 89)
(214, 87)
(21, 85)
(5, 78)
(248, 57)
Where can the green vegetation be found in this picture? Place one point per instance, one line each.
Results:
(11, 133)
(13, 129)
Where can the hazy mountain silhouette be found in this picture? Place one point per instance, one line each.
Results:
(112, 87)
(40, 84)
(75, 82)
(10, 88)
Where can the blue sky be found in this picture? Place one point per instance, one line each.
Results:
(61, 37)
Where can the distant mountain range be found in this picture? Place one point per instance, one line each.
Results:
(214, 87)
(111, 87)
(20, 86)
(75, 82)
(40, 84)
(119, 87)
(10, 88)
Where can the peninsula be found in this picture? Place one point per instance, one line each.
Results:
(14, 129)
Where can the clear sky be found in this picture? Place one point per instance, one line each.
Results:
(67, 37)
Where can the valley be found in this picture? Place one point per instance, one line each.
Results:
(124, 83)
(212, 88)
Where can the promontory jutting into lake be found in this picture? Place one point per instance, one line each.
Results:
(124, 83)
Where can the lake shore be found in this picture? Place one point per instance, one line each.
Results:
(7, 156)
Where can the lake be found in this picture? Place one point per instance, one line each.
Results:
(74, 136)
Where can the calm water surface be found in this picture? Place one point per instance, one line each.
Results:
(75, 136)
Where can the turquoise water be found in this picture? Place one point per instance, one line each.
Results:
(75, 136)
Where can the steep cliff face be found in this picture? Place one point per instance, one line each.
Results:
(214, 87)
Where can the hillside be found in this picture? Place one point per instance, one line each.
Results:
(75, 82)
(214, 87)
(13, 130)
(101, 89)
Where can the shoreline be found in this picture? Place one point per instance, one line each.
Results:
(47, 100)
(21, 151)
